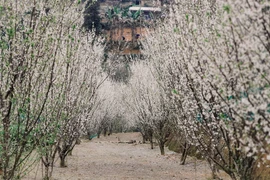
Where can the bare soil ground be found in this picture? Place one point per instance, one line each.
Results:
(111, 158)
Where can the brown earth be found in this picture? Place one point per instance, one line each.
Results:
(112, 158)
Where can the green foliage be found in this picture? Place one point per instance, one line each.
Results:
(231, 97)
(187, 17)
(136, 14)
(4, 45)
(199, 118)
(227, 8)
(176, 30)
(175, 91)
(124, 12)
(218, 34)
(116, 10)
(250, 116)
(109, 14)
(11, 32)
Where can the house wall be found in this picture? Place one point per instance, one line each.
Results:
(126, 32)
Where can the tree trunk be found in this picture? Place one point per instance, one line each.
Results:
(1, 169)
(105, 132)
(63, 161)
(162, 147)
(184, 153)
(247, 168)
(78, 141)
(46, 176)
(152, 143)
(214, 169)
(144, 138)
(151, 140)
(5, 149)
(110, 130)
(143, 141)
(214, 172)
(233, 176)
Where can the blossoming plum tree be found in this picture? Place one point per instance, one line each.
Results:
(213, 57)
(48, 78)
(148, 103)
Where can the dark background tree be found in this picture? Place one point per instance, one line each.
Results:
(92, 20)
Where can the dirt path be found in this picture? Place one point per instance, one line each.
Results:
(106, 159)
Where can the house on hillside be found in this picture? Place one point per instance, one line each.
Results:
(128, 21)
